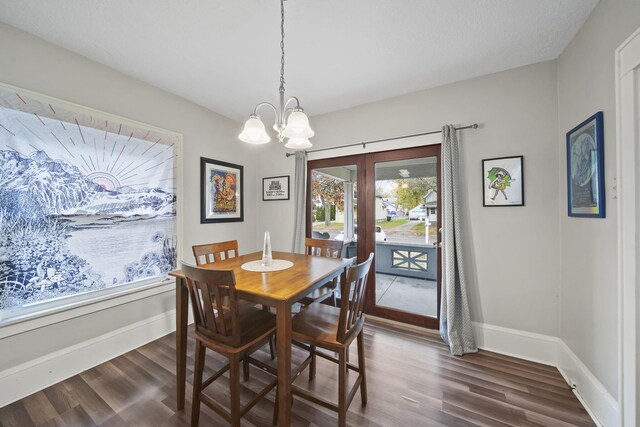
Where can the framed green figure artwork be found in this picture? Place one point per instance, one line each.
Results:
(503, 181)
(585, 169)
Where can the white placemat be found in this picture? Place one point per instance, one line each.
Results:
(277, 265)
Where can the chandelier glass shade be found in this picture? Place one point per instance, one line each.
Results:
(254, 131)
(290, 123)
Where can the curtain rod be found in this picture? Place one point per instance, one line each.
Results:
(364, 144)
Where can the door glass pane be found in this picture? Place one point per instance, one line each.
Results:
(406, 231)
(334, 211)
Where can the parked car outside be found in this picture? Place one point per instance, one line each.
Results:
(381, 236)
(419, 212)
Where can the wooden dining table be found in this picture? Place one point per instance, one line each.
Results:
(278, 289)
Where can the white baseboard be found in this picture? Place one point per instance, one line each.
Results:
(29, 377)
(512, 342)
(600, 405)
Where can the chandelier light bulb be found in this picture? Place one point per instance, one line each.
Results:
(298, 143)
(254, 131)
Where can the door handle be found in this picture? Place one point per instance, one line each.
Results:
(438, 244)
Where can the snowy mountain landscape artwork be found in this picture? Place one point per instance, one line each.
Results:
(86, 203)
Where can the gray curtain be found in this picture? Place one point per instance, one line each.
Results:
(299, 199)
(455, 319)
(348, 211)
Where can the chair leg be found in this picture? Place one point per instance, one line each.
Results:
(363, 372)
(234, 377)
(245, 370)
(197, 383)
(334, 301)
(272, 346)
(342, 385)
(275, 408)
(272, 339)
(312, 365)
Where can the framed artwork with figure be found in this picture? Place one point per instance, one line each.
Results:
(503, 181)
(585, 169)
(221, 191)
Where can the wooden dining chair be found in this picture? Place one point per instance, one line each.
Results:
(212, 252)
(233, 329)
(327, 248)
(334, 329)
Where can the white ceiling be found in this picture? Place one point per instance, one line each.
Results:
(225, 55)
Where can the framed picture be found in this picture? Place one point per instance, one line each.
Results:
(221, 191)
(503, 181)
(585, 168)
(275, 188)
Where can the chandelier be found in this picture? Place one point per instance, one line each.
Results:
(290, 123)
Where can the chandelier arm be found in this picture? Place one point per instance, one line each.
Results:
(262, 104)
(293, 98)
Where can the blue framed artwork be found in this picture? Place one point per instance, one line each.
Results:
(585, 169)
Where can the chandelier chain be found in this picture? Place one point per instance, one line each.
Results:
(282, 46)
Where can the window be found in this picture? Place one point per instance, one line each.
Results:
(87, 203)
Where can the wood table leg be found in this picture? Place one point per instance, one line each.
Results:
(283, 346)
(182, 315)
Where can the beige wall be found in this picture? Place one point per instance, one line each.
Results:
(31, 63)
(513, 253)
(589, 298)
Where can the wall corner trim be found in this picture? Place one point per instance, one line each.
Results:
(34, 375)
(599, 403)
(601, 406)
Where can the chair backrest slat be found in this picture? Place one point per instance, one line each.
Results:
(206, 301)
(352, 299)
(320, 247)
(212, 252)
(215, 317)
(221, 325)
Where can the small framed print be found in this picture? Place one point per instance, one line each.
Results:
(585, 169)
(275, 188)
(503, 181)
(221, 191)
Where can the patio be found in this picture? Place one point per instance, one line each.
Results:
(406, 263)
(407, 294)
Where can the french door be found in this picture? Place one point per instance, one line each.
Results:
(387, 203)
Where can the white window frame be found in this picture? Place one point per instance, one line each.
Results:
(45, 313)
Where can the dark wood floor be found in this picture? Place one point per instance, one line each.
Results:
(412, 381)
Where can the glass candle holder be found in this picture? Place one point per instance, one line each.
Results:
(267, 258)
